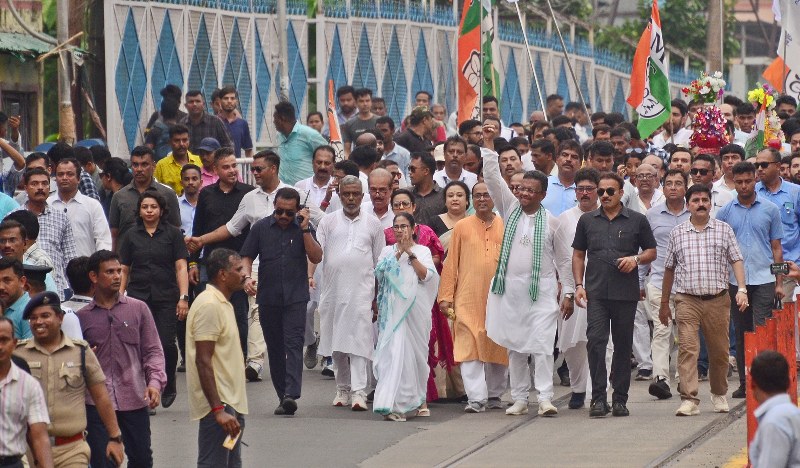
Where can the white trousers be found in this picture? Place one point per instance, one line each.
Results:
(351, 372)
(256, 346)
(664, 336)
(519, 374)
(578, 363)
(483, 380)
(310, 337)
(641, 337)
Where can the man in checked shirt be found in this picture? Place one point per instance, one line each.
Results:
(699, 253)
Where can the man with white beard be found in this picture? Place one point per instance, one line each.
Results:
(351, 244)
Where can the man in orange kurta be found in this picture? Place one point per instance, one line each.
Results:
(464, 288)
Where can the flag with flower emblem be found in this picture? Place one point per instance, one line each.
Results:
(476, 74)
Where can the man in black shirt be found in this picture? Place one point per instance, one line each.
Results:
(427, 194)
(215, 206)
(284, 243)
(416, 137)
(612, 236)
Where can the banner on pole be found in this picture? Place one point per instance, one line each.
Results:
(476, 74)
(333, 124)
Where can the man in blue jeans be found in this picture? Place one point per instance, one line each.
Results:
(758, 228)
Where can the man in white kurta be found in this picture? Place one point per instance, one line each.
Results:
(351, 244)
(572, 323)
(526, 327)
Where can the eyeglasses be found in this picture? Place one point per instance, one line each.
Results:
(702, 172)
(382, 191)
(256, 169)
(349, 195)
(281, 212)
(585, 189)
(635, 151)
(647, 176)
(401, 204)
(514, 188)
(763, 164)
(529, 190)
(479, 196)
(610, 191)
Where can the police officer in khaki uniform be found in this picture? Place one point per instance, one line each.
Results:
(66, 368)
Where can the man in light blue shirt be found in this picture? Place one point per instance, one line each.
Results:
(561, 194)
(12, 291)
(786, 196)
(663, 217)
(297, 144)
(757, 225)
(192, 182)
(776, 440)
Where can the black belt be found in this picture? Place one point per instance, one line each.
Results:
(10, 460)
(708, 297)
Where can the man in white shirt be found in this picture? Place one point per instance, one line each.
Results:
(702, 172)
(729, 155)
(491, 108)
(86, 215)
(380, 191)
(317, 185)
(675, 130)
(455, 148)
(351, 244)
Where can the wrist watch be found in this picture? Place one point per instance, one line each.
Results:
(636, 259)
(117, 439)
(184, 297)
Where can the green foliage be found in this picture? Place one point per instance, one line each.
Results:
(683, 22)
(581, 9)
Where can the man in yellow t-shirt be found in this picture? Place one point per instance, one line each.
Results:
(215, 382)
(168, 169)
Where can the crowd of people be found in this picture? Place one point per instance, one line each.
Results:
(443, 260)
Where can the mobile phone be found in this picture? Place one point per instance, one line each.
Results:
(13, 109)
(781, 268)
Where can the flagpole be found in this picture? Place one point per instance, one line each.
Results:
(530, 59)
(480, 68)
(566, 58)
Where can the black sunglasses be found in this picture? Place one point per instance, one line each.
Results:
(763, 164)
(697, 170)
(611, 192)
(281, 212)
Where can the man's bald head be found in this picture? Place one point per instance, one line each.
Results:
(380, 177)
(367, 139)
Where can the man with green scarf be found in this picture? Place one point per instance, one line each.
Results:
(522, 308)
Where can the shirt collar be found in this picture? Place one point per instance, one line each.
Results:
(65, 341)
(13, 375)
(690, 226)
(665, 209)
(623, 212)
(771, 402)
(121, 299)
(217, 293)
(19, 304)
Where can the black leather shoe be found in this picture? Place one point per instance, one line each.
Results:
(168, 399)
(289, 406)
(279, 411)
(577, 400)
(740, 392)
(181, 367)
(619, 409)
(599, 409)
(660, 389)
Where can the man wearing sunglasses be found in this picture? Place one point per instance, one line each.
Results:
(611, 237)
(284, 242)
(702, 172)
(786, 196)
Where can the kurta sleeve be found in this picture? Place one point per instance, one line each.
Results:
(449, 280)
(502, 196)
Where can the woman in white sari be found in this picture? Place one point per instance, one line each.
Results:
(407, 287)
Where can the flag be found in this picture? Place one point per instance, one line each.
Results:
(649, 81)
(476, 74)
(756, 141)
(789, 45)
(778, 74)
(333, 124)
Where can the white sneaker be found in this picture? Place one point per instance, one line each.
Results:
(475, 407)
(547, 409)
(688, 408)
(359, 402)
(342, 398)
(518, 408)
(720, 403)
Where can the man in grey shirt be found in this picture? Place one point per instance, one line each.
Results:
(361, 122)
(124, 210)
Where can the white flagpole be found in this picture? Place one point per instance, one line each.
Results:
(566, 58)
(530, 59)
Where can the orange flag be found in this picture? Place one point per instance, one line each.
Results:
(333, 124)
(776, 73)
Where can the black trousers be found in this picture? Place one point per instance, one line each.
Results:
(761, 299)
(135, 427)
(284, 333)
(166, 324)
(617, 317)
